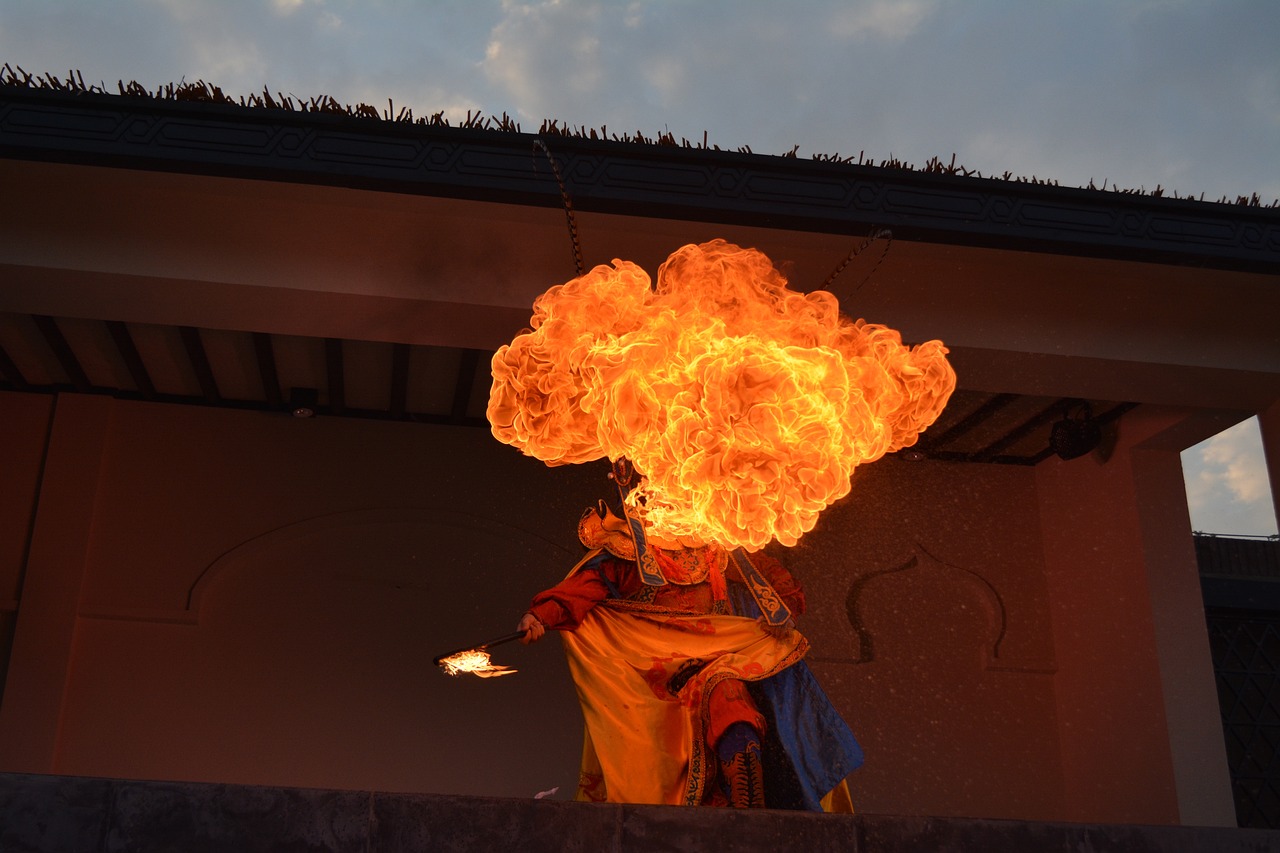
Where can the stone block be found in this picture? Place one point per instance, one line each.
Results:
(45, 813)
(195, 818)
(409, 823)
(690, 830)
(885, 834)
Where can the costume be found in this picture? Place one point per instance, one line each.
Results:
(678, 689)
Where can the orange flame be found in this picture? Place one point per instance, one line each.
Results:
(475, 662)
(745, 405)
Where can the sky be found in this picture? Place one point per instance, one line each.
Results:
(1178, 94)
(1226, 482)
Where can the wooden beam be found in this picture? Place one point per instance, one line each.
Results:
(62, 351)
(265, 355)
(337, 378)
(956, 456)
(1114, 413)
(1041, 456)
(11, 373)
(466, 381)
(1016, 434)
(132, 360)
(977, 416)
(399, 379)
(200, 363)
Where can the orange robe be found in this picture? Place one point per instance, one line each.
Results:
(660, 670)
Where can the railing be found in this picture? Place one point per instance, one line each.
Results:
(1238, 556)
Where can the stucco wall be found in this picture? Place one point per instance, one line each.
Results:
(214, 595)
(1141, 733)
(259, 599)
(930, 626)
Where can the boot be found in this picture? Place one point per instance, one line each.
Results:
(741, 771)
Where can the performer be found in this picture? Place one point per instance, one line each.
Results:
(689, 694)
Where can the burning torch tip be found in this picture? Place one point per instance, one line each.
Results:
(476, 659)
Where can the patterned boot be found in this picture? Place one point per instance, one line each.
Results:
(741, 772)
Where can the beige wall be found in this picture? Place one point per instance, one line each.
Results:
(236, 596)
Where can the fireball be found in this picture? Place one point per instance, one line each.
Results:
(744, 404)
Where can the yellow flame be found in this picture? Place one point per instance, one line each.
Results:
(745, 405)
(475, 662)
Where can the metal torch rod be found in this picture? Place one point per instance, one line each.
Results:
(505, 638)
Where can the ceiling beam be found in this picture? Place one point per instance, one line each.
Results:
(132, 360)
(199, 359)
(467, 367)
(265, 356)
(973, 419)
(11, 373)
(62, 351)
(399, 379)
(1018, 433)
(335, 375)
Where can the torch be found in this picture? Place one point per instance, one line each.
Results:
(475, 659)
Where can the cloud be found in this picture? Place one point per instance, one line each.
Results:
(891, 19)
(1232, 457)
(1171, 92)
(635, 14)
(542, 52)
(1228, 490)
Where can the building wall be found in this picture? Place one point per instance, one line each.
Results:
(930, 627)
(24, 430)
(232, 596)
(214, 595)
(1140, 728)
(1269, 423)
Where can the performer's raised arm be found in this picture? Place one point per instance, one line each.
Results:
(563, 607)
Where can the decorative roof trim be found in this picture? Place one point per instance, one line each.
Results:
(624, 178)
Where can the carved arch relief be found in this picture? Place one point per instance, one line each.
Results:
(918, 566)
(251, 551)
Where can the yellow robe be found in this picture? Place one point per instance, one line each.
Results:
(645, 739)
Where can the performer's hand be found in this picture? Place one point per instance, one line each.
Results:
(531, 626)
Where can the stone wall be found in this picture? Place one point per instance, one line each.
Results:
(44, 814)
